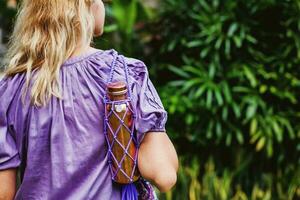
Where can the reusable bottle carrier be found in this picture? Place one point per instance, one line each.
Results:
(120, 134)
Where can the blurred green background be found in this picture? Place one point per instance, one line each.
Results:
(228, 73)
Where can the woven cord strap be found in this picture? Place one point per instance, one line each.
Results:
(126, 70)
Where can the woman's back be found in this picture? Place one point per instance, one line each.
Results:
(61, 148)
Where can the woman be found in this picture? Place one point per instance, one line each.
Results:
(51, 124)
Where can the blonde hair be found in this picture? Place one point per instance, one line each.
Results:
(46, 33)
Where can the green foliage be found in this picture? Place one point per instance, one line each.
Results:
(213, 185)
(228, 74)
(123, 30)
(235, 86)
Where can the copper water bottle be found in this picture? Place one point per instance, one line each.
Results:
(121, 118)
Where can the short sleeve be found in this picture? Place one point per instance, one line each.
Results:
(150, 113)
(9, 155)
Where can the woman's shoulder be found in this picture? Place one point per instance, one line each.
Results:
(10, 89)
(103, 60)
(12, 82)
(103, 55)
(135, 65)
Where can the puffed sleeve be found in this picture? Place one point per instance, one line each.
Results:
(151, 115)
(9, 155)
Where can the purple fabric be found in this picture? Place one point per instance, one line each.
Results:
(60, 148)
(129, 192)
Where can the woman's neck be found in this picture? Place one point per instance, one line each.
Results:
(80, 49)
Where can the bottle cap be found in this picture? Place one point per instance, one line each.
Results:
(117, 88)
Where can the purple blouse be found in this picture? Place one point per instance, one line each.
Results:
(60, 149)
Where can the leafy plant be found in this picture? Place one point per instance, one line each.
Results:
(233, 93)
(213, 185)
(124, 24)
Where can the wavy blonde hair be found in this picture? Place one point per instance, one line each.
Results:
(46, 33)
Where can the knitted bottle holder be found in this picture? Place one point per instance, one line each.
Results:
(134, 190)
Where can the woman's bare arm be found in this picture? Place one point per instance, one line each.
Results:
(8, 184)
(158, 161)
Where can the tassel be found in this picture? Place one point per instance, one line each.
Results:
(129, 192)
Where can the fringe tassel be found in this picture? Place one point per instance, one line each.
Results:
(129, 192)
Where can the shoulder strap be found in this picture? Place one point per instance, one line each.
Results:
(126, 70)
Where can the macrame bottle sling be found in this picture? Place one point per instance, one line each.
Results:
(120, 134)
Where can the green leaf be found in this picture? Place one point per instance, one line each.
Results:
(236, 110)
(193, 44)
(176, 83)
(200, 91)
(190, 83)
(251, 39)
(110, 28)
(204, 52)
(218, 43)
(237, 41)
(209, 98)
(289, 128)
(232, 29)
(195, 70)
(239, 137)
(251, 111)
(228, 139)
(205, 6)
(209, 129)
(227, 47)
(253, 126)
(171, 45)
(179, 72)
(260, 144)
(126, 14)
(277, 130)
(219, 97)
(219, 129)
(225, 113)
(255, 137)
(241, 89)
(263, 89)
(251, 77)
(227, 92)
(189, 119)
(270, 148)
(212, 70)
